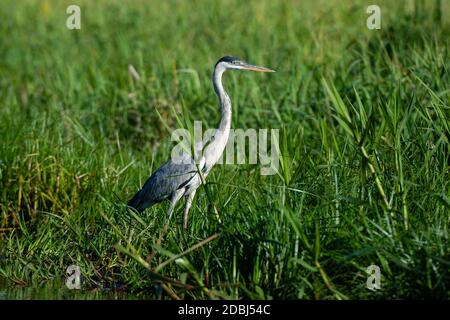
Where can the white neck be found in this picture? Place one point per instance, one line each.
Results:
(216, 147)
(224, 99)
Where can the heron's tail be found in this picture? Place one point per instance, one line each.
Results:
(136, 202)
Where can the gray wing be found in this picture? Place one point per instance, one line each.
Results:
(173, 175)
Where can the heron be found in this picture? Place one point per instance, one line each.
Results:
(181, 176)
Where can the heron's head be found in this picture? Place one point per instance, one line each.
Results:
(233, 63)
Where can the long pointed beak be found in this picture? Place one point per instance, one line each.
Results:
(256, 68)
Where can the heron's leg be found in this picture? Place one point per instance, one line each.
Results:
(189, 200)
(173, 201)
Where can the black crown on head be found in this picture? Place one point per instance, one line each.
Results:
(228, 59)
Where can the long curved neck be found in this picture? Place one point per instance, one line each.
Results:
(224, 99)
(219, 141)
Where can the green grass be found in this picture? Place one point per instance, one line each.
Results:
(364, 129)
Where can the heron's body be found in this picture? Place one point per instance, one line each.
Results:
(181, 176)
